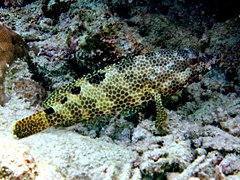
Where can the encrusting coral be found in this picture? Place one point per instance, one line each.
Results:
(12, 46)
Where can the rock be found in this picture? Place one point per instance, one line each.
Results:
(12, 46)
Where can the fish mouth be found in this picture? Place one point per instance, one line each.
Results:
(32, 124)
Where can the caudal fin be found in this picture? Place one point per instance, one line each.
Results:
(31, 125)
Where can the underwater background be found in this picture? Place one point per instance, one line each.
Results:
(45, 44)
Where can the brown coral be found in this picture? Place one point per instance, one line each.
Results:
(12, 47)
(30, 90)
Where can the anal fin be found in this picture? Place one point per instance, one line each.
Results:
(161, 115)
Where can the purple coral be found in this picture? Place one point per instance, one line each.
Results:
(8, 2)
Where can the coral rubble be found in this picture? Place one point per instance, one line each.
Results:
(14, 157)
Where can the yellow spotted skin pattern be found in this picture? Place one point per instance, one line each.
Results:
(121, 87)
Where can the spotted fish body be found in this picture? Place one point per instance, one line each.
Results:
(121, 87)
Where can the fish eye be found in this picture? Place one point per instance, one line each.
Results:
(76, 90)
(49, 110)
(192, 62)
